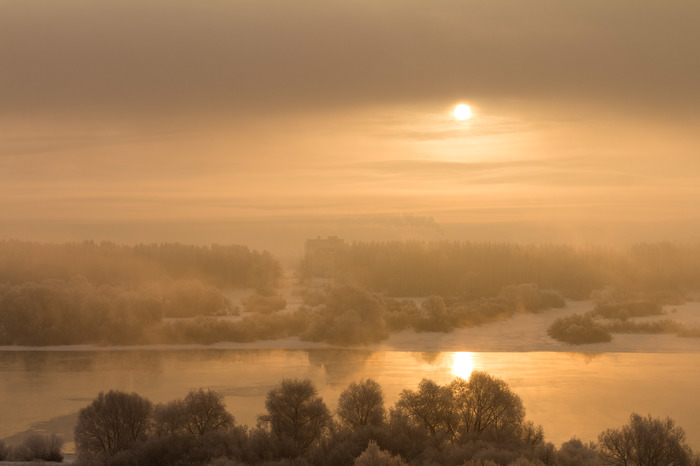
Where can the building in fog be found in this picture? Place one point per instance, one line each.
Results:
(321, 256)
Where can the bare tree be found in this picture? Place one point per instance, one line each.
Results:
(169, 418)
(201, 411)
(645, 441)
(362, 404)
(486, 406)
(295, 411)
(431, 406)
(112, 423)
(205, 411)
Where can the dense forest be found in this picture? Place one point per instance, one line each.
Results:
(223, 266)
(475, 270)
(475, 422)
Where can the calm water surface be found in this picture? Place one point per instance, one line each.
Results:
(568, 393)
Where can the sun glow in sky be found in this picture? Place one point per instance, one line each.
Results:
(277, 116)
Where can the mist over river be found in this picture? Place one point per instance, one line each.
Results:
(567, 393)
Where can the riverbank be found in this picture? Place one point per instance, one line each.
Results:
(521, 333)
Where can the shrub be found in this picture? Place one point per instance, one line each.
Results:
(433, 316)
(401, 314)
(525, 297)
(349, 316)
(313, 298)
(552, 299)
(374, 455)
(5, 451)
(625, 310)
(190, 298)
(575, 453)
(655, 327)
(522, 461)
(645, 440)
(264, 304)
(39, 447)
(578, 329)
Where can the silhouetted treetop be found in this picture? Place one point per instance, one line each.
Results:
(474, 422)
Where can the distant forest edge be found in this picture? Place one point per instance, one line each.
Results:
(106, 263)
(88, 293)
(476, 270)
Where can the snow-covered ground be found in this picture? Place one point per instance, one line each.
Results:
(528, 332)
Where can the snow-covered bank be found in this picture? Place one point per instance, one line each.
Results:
(528, 332)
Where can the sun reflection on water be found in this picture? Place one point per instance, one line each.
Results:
(462, 364)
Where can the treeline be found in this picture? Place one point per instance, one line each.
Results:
(475, 422)
(75, 311)
(473, 270)
(106, 293)
(224, 266)
(347, 315)
(60, 312)
(433, 424)
(55, 312)
(350, 315)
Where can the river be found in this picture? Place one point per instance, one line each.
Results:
(569, 394)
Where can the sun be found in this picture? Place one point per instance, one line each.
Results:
(462, 112)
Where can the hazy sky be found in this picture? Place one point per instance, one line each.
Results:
(267, 121)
